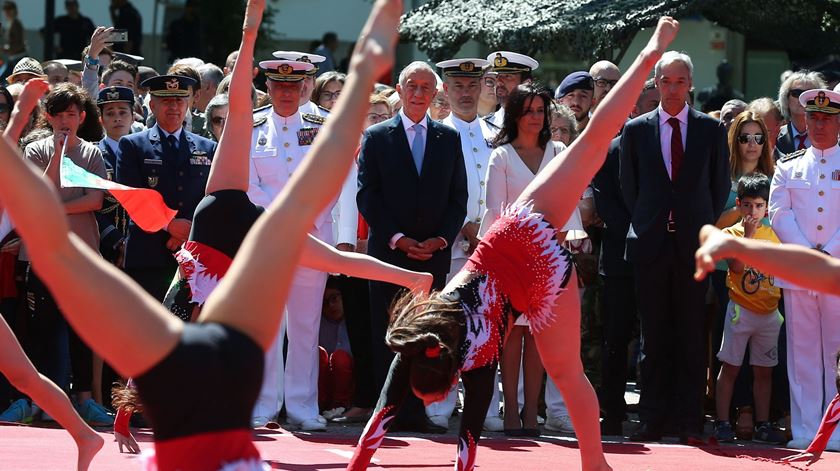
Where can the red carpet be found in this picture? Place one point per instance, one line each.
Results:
(31, 448)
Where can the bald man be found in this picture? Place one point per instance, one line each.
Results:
(605, 74)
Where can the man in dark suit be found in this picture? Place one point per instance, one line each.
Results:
(618, 298)
(175, 163)
(413, 194)
(673, 169)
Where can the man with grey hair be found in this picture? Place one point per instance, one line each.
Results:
(211, 77)
(413, 194)
(673, 170)
(730, 110)
(794, 136)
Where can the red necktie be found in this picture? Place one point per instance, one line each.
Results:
(677, 151)
(802, 138)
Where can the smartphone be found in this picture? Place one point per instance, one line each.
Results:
(118, 36)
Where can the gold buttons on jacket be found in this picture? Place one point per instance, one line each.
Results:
(819, 210)
(285, 144)
(475, 150)
(288, 159)
(285, 128)
(819, 228)
(822, 193)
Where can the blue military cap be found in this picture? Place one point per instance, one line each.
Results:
(169, 85)
(579, 80)
(115, 95)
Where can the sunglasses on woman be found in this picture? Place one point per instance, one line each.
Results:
(757, 138)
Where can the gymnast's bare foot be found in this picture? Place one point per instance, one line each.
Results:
(88, 446)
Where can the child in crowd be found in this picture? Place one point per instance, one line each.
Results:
(752, 317)
(335, 380)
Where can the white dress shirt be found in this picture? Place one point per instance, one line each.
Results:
(665, 132)
(507, 177)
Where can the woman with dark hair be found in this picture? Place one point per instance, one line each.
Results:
(185, 371)
(327, 89)
(518, 268)
(523, 148)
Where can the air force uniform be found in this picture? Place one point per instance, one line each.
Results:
(179, 173)
(506, 62)
(279, 145)
(805, 210)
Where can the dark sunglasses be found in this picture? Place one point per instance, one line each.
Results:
(757, 138)
(795, 92)
(5, 108)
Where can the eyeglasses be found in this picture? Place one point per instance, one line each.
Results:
(757, 138)
(330, 95)
(795, 92)
(559, 130)
(601, 82)
(218, 120)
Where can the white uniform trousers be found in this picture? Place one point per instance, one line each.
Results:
(446, 406)
(813, 338)
(270, 400)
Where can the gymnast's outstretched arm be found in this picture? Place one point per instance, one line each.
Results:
(113, 315)
(556, 190)
(800, 265)
(252, 294)
(323, 257)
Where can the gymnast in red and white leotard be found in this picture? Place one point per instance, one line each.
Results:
(518, 267)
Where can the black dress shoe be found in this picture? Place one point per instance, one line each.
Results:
(646, 433)
(612, 428)
(418, 426)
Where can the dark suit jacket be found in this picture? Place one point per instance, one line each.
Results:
(111, 216)
(393, 198)
(696, 198)
(609, 203)
(180, 179)
(785, 143)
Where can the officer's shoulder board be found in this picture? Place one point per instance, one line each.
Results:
(313, 118)
(793, 155)
(260, 120)
(261, 108)
(488, 119)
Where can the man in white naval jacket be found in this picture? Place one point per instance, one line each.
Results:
(461, 81)
(280, 142)
(805, 210)
(306, 104)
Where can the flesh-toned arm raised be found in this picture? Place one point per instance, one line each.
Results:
(252, 295)
(556, 190)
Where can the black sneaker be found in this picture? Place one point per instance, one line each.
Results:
(766, 433)
(724, 432)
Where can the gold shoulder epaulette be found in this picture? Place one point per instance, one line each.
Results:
(313, 118)
(260, 120)
(793, 155)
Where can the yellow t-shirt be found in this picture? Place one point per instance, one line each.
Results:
(752, 289)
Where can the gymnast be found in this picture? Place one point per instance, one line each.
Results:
(518, 268)
(13, 361)
(184, 371)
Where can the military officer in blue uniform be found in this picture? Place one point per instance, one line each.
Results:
(115, 106)
(172, 161)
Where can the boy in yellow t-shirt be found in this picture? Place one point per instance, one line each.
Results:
(752, 317)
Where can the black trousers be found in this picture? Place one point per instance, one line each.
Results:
(672, 310)
(356, 300)
(382, 295)
(620, 317)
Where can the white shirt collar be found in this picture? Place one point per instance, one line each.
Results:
(682, 115)
(408, 123)
(293, 119)
(165, 134)
(460, 123)
(112, 143)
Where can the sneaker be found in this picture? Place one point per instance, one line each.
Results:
(724, 432)
(493, 424)
(95, 414)
(19, 412)
(562, 424)
(765, 432)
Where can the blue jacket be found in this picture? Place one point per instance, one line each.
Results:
(181, 178)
